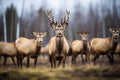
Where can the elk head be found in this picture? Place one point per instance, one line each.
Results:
(115, 32)
(84, 35)
(59, 29)
(39, 37)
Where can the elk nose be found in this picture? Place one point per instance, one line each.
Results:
(59, 34)
(116, 36)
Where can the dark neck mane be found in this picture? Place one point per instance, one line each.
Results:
(84, 44)
(114, 43)
(59, 44)
(38, 47)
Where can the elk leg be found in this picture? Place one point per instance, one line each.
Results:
(64, 58)
(112, 56)
(59, 62)
(28, 61)
(82, 58)
(21, 59)
(86, 57)
(35, 61)
(51, 62)
(5, 59)
(13, 60)
(54, 61)
(74, 60)
(18, 60)
(95, 58)
(109, 57)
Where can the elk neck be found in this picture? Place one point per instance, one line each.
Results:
(38, 47)
(84, 44)
(114, 42)
(59, 44)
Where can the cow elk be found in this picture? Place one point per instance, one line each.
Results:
(105, 46)
(8, 50)
(29, 47)
(58, 46)
(80, 47)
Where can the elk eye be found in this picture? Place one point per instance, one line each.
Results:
(56, 29)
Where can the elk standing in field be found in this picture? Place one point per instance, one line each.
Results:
(29, 47)
(105, 46)
(58, 46)
(80, 47)
(8, 50)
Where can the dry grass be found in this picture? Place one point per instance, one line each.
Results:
(44, 72)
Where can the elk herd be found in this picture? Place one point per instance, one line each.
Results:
(59, 47)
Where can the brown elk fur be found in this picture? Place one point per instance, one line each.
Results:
(8, 50)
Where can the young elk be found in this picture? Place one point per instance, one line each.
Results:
(80, 47)
(58, 46)
(105, 46)
(8, 50)
(29, 47)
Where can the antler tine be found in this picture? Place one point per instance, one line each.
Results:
(68, 13)
(48, 14)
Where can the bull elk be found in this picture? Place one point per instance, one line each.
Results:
(58, 46)
(29, 47)
(105, 46)
(8, 50)
(80, 47)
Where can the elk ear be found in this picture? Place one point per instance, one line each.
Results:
(79, 33)
(65, 25)
(110, 29)
(88, 32)
(53, 25)
(45, 33)
(34, 33)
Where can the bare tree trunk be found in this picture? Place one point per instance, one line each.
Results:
(18, 29)
(103, 30)
(4, 23)
(5, 30)
(20, 21)
(11, 33)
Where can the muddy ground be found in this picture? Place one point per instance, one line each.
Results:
(101, 71)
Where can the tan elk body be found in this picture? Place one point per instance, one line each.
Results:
(80, 47)
(29, 47)
(8, 50)
(105, 46)
(58, 47)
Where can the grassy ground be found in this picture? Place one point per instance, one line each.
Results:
(44, 72)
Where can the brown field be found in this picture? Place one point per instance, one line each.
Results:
(101, 71)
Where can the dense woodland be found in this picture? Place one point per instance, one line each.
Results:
(96, 20)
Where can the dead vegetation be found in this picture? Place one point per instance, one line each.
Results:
(44, 72)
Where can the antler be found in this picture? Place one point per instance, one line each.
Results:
(67, 18)
(49, 14)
